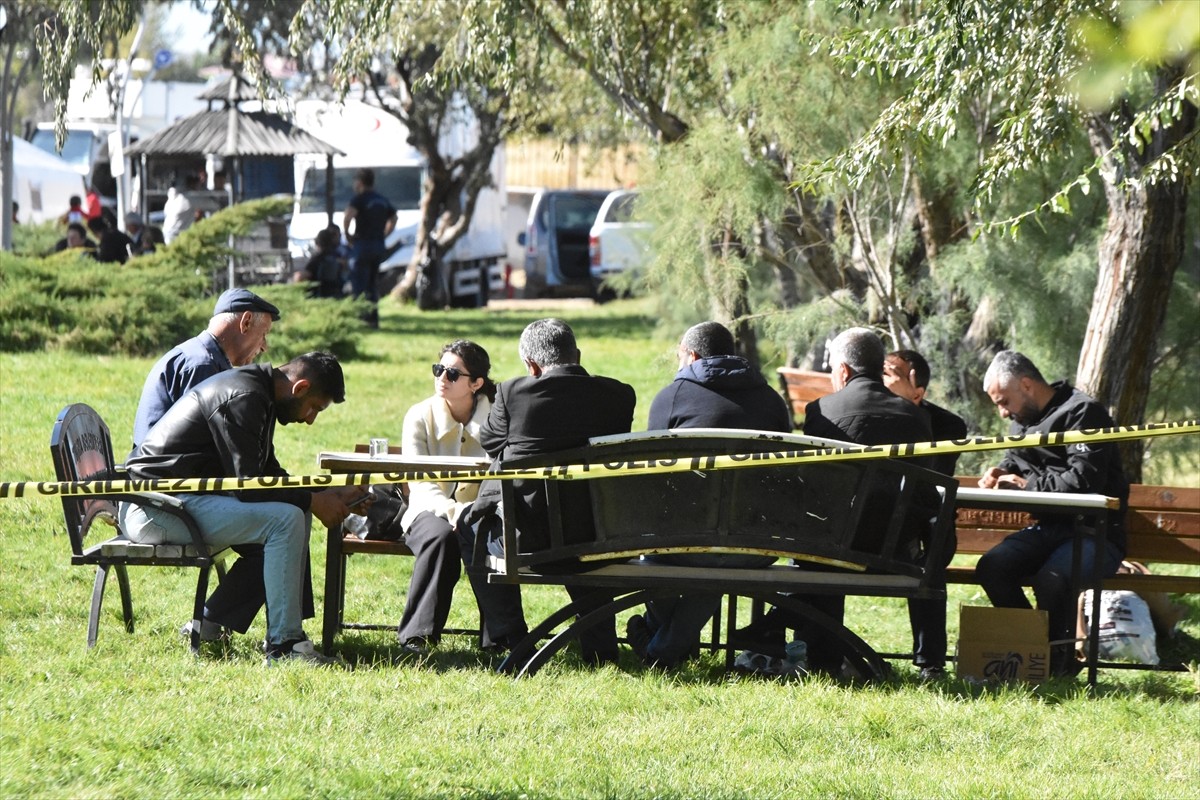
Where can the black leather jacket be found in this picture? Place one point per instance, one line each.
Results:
(224, 428)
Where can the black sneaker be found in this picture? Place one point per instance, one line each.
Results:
(767, 642)
(301, 650)
(417, 646)
(929, 674)
(637, 633)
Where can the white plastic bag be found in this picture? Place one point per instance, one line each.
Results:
(1126, 629)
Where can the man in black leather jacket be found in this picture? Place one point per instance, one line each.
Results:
(1042, 553)
(225, 427)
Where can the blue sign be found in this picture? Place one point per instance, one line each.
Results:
(162, 58)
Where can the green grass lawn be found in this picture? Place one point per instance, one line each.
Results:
(138, 717)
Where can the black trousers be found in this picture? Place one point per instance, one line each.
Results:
(928, 617)
(503, 616)
(500, 604)
(436, 569)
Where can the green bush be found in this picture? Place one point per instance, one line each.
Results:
(36, 238)
(68, 301)
(309, 323)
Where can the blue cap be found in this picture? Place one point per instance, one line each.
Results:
(239, 300)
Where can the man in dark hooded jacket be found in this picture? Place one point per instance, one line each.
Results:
(716, 389)
(712, 389)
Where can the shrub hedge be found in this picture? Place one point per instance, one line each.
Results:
(69, 301)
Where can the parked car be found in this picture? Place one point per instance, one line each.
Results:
(616, 242)
(556, 242)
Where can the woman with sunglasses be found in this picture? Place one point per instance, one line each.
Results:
(446, 424)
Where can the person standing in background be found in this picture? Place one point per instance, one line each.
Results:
(368, 220)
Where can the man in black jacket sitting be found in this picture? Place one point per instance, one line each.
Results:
(860, 410)
(1042, 553)
(225, 428)
(714, 388)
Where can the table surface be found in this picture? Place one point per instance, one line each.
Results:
(1022, 499)
(348, 461)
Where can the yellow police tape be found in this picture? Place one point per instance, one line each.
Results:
(601, 468)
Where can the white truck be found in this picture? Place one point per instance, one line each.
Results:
(371, 137)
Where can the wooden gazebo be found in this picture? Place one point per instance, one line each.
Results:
(257, 148)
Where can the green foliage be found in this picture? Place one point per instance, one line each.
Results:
(206, 242)
(311, 323)
(36, 239)
(69, 301)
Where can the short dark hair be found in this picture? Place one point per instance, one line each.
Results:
(920, 366)
(708, 339)
(548, 342)
(78, 228)
(322, 371)
(365, 176)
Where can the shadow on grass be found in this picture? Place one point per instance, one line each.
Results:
(460, 653)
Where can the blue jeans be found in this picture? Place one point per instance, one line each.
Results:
(281, 528)
(675, 622)
(1042, 554)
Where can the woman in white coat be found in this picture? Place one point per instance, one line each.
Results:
(446, 424)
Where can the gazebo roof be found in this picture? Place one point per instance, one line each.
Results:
(255, 133)
(220, 91)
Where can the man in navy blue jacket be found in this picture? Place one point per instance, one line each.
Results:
(712, 389)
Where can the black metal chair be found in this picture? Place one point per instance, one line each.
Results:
(81, 447)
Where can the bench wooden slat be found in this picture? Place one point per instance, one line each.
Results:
(1155, 497)
(377, 547)
(1148, 547)
(1177, 523)
(804, 385)
(777, 577)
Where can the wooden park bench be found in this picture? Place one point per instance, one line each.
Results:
(81, 448)
(844, 523)
(801, 386)
(1162, 527)
(1162, 523)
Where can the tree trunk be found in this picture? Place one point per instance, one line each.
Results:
(1139, 254)
(729, 291)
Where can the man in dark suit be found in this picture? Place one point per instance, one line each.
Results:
(557, 406)
(906, 373)
(863, 411)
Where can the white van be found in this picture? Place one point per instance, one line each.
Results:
(371, 137)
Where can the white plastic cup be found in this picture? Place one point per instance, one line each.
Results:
(379, 448)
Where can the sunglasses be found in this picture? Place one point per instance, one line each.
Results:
(452, 373)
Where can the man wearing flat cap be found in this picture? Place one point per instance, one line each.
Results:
(235, 336)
